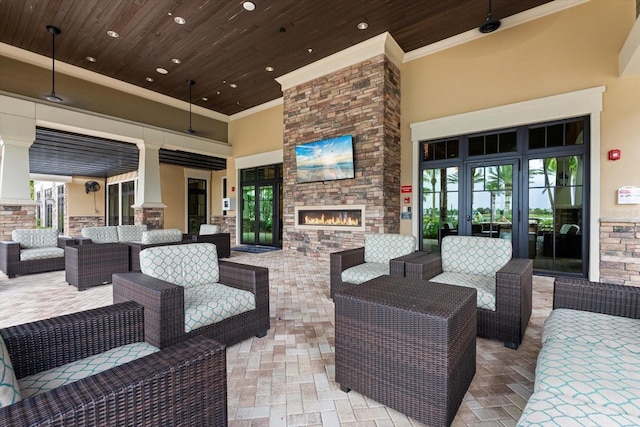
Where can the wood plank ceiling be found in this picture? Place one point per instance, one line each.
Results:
(223, 44)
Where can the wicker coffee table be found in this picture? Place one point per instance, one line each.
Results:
(408, 344)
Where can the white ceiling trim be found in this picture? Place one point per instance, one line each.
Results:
(629, 57)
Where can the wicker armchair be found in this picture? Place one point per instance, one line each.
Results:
(502, 282)
(170, 292)
(184, 385)
(221, 240)
(381, 254)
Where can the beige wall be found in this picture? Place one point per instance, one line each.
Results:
(172, 182)
(570, 50)
(81, 203)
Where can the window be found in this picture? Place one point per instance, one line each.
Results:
(120, 198)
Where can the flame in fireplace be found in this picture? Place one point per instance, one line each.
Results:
(336, 219)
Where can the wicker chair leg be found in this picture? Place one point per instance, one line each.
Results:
(261, 334)
(511, 345)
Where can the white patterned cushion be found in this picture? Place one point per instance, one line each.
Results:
(591, 373)
(209, 229)
(382, 248)
(71, 372)
(585, 327)
(207, 304)
(131, 233)
(363, 272)
(548, 409)
(485, 285)
(475, 255)
(161, 236)
(35, 238)
(185, 265)
(40, 253)
(9, 388)
(108, 234)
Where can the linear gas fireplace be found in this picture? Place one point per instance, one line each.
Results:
(337, 218)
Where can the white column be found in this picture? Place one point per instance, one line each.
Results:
(16, 136)
(149, 190)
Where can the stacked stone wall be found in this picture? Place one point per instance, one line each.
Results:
(620, 251)
(13, 217)
(363, 101)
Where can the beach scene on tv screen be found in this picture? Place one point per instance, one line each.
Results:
(325, 160)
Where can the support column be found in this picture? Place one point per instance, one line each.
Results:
(149, 208)
(17, 133)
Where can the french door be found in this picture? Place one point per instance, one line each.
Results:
(261, 208)
(528, 184)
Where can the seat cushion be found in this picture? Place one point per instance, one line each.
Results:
(65, 374)
(41, 253)
(590, 373)
(577, 326)
(185, 265)
(9, 388)
(382, 248)
(161, 236)
(108, 234)
(485, 285)
(207, 304)
(35, 238)
(363, 272)
(548, 409)
(475, 255)
(131, 233)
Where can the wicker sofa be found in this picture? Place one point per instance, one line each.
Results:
(503, 283)
(587, 370)
(380, 254)
(184, 385)
(187, 292)
(32, 251)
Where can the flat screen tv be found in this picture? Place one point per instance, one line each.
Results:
(325, 160)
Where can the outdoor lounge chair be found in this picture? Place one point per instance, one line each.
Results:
(183, 385)
(32, 251)
(187, 292)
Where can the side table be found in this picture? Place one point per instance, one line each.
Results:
(408, 344)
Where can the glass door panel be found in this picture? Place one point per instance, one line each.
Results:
(556, 212)
(247, 234)
(265, 211)
(440, 192)
(196, 204)
(491, 210)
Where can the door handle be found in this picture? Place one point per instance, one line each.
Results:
(468, 217)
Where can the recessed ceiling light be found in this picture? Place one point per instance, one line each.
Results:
(91, 59)
(205, 99)
(149, 79)
(218, 92)
(113, 34)
(309, 50)
(248, 5)
(233, 85)
(180, 20)
(268, 68)
(363, 26)
(162, 70)
(176, 61)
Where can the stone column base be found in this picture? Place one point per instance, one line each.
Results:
(13, 217)
(152, 217)
(227, 225)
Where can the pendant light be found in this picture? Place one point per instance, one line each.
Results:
(54, 32)
(190, 83)
(490, 24)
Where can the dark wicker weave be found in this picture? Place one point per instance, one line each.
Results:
(164, 305)
(340, 261)
(93, 264)
(221, 240)
(184, 385)
(11, 265)
(605, 298)
(513, 298)
(407, 344)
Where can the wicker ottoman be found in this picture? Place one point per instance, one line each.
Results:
(408, 344)
(93, 264)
